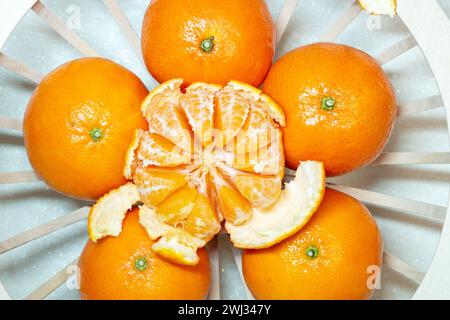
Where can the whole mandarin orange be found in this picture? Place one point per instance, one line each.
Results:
(213, 41)
(340, 106)
(335, 256)
(79, 123)
(125, 268)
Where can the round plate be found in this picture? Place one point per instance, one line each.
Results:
(419, 73)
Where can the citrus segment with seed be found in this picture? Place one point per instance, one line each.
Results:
(203, 221)
(234, 172)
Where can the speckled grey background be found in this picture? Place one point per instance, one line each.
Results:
(27, 205)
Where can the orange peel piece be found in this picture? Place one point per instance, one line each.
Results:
(106, 215)
(384, 7)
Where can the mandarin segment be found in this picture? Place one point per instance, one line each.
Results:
(174, 244)
(261, 191)
(156, 184)
(155, 150)
(257, 132)
(203, 221)
(231, 204)
(248, 91)
(152, 223)
(130, 158)
(268, 160)
(176, 249)
(177, 206)
(275, 111)
(230, 115)
(198, 105)
(156, 228)
(166, 118)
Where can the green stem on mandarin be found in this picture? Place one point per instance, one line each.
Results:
(328, 103)
(207, 44)
(140, 263)
(96, 134)
(312, 252)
